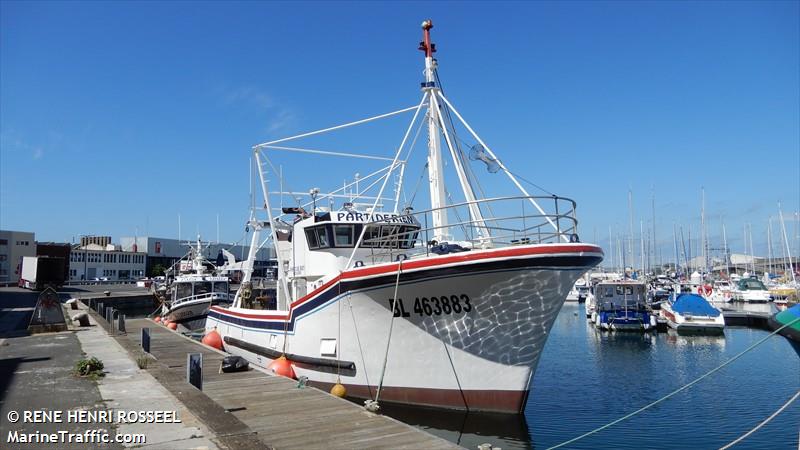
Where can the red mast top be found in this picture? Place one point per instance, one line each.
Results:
(426, 45)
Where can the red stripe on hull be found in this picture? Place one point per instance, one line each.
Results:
(510, 402)
(471, 257)
(425, 263)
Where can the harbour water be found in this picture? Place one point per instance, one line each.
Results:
(587, 378)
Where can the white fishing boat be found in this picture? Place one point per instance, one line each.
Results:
(448, 305)
(692, 313)
(622, 306)
(193, 291)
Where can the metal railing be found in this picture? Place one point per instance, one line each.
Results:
(507, 221)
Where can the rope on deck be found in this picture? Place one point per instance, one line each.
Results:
(673, 393)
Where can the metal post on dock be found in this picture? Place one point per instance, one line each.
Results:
(146, 340)
(114, 317)
(99, 308)
(121, 324)
(194, 369)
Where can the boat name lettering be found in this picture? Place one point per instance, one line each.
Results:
(343, 216)
(433, 306)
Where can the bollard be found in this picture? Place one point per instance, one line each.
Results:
(121, 324)
(114, 315)
(146, 340)
(99, 308)
(194, 369)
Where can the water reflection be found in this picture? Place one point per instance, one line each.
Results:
(588, 378)
(694, 339)
(469, 430)
(763, 308)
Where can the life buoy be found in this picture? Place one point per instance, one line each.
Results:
(704, 289)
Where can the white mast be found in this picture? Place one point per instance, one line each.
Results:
(435, 169)
(641, 249)
(725, 249)
(630, 236)
(675, 247)
(703, 235)
(611, 248)
(786, 242)
(769, 245)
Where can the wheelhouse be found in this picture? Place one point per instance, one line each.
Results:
(620, 295)
(200, 286)
(342, 229)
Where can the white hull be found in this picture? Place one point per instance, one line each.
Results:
(688, 323)
(481, 358)
(194, 310)
(188, 311)
(750, 296)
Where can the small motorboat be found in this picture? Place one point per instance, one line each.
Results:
(692, 313)
(750, 290)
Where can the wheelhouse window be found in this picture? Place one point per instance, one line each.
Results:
(311, 238)
(317, 237)
(183, 290)
(343, 235)
(390, 236)
(322, 237)
(221, 287)
(203, 287)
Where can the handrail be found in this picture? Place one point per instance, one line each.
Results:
(504, 229)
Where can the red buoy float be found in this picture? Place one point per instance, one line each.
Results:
(213, 339)
(157, 319)
(282, 367)
(172, 325)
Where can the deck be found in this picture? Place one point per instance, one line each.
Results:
(269, 407)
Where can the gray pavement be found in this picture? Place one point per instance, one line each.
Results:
(128, 388)
(35, 374)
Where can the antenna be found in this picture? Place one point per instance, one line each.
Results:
(426, 45)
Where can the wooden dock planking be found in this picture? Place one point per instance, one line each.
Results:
(282, 415)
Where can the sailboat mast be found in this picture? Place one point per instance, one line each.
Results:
(630, 236)
(435, 169)
(703, 232)
(786, 243)
(769, 245)
(725, 249)
(675, 246)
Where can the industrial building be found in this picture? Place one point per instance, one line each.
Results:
(14, 245)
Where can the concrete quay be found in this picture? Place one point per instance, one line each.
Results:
(246, 410)
(272, 409)
(36, 376)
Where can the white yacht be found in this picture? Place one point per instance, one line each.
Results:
(750, 290)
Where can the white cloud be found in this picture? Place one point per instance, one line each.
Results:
(250, 94)
(281, 120)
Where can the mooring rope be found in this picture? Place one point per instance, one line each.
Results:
(373, 405)
(671, 394)
(766, 421)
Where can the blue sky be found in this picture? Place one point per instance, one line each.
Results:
(117, 117)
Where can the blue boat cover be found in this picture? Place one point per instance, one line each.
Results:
(695, 305)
